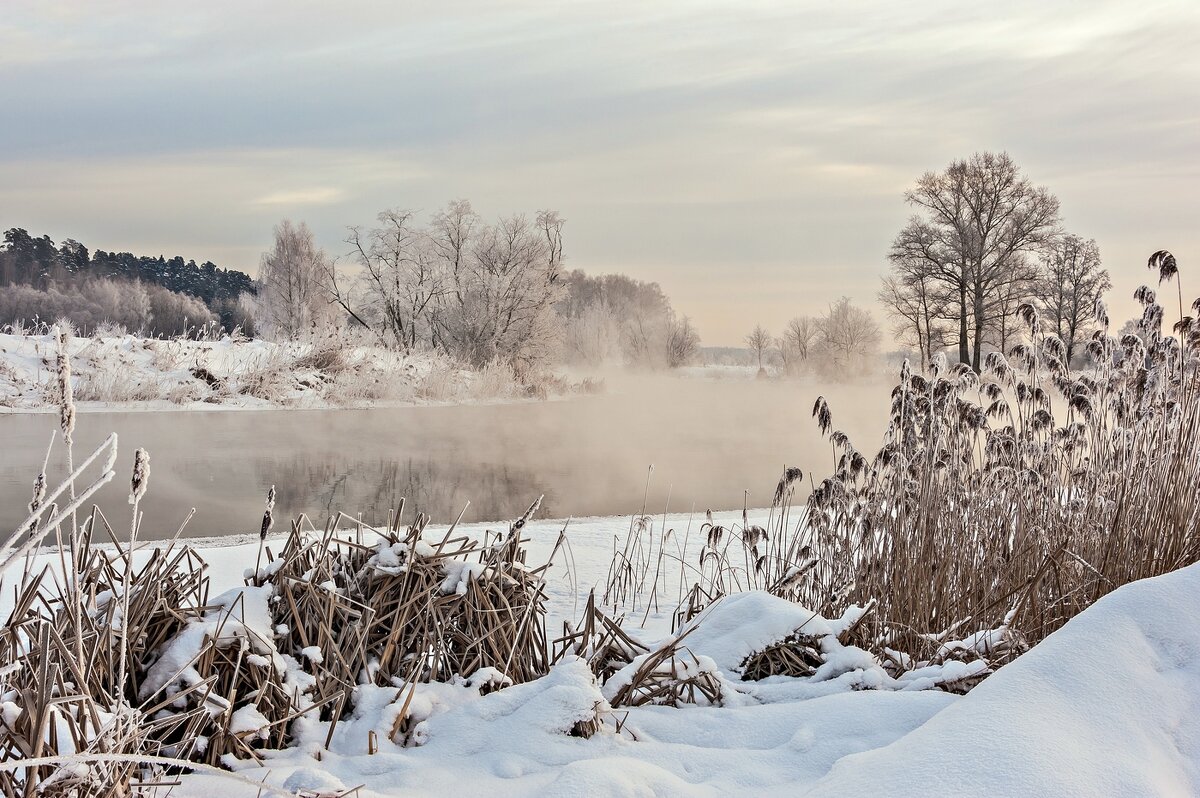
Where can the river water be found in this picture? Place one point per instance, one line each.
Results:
(708, 441)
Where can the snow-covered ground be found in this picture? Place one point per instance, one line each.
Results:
(131, 372)
(1106, 706)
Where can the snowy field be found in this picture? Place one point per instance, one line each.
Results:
(136, 373)
(1105, 706)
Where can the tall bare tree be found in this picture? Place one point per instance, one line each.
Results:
(976, 223)
(291, 275)
(1072, 279)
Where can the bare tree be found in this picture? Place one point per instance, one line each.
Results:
(503, 285)
(918, 305)
(796, 343)
(683, 342)
(1071, 281)
(977, 221)
(291, 274)
(759, 341)
(400, 280)
(849, 336)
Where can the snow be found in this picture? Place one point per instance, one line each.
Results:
(136, 373)
(1107, 706)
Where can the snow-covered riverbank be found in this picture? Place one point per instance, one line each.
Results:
(132, 373)
(1105, 706)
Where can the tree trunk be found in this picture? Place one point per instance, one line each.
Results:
(964, 352)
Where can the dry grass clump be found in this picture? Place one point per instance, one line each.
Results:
(441, 383)
(797, 655)
(671, 675)
(599, 640)
(116, 385)
(404, 610)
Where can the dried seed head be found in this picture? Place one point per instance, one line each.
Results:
(141, 475)
(785, 484)
(39, 492)
(1164, 263)
(1028, 314)
(822, 415)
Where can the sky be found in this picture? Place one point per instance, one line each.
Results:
(750, 157)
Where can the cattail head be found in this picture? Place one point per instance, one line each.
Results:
(141, 475)
(268, 519)
(66, 395)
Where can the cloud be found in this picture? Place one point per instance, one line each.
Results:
(302, 197)
(731, 149)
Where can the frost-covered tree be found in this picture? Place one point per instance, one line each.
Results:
(1070, 282)
(759, 341)
(976, 224)
(480, 292)
(797, 343)
(849, 337)
(292, 301)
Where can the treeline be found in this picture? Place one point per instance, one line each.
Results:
(613, 318)
(43, 281)
(841, 342)
(481, 292)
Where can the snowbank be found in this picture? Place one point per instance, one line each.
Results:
(153, 374)
(1108, 705)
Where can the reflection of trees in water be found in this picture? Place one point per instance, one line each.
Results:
(373, 486)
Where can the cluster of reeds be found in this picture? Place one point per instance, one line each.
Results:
(1026, 492)
(401, 610)
(670, 675)
(1011, 499)
(599, 640)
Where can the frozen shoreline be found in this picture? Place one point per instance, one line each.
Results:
(129, 373)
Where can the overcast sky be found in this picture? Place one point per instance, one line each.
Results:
(750, 157)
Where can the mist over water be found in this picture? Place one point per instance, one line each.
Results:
(708, 440)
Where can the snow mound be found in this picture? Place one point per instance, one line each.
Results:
(742, 624)
(1108, 705)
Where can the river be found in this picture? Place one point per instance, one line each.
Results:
(708, 441)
